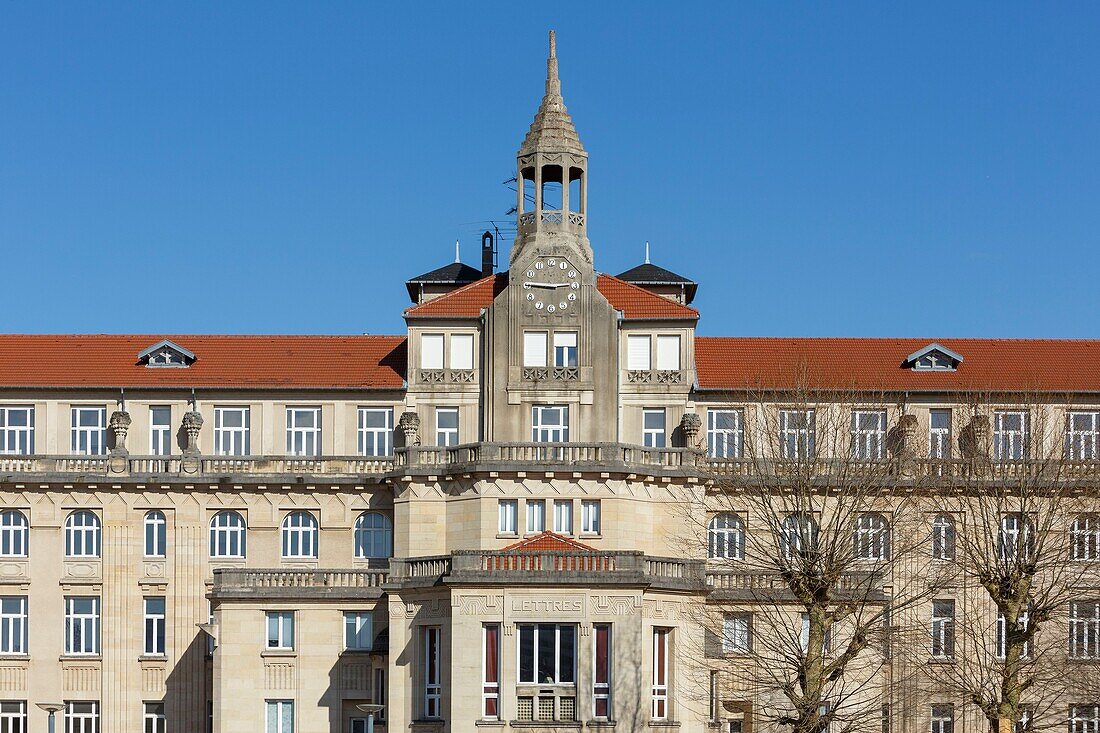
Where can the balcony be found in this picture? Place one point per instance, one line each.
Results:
(239, 584)
(729, 585)
(921, 470)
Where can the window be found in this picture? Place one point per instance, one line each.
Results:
(737, 633)
(507, 510)
(231, 429)
(299, 536)
(1009, 435)
(280, 716)
(81, 717)
(804, 635)
(303, 431)
(590, 516)
(660, 674)
(943, 537)
(563, 516)
(798, 536)
(565, 349)
(380, 692)
(943, 719)
(550, 423)
(13, 534)
(81, 625)
(156, 534)
(796, 434)
(872, 537)
(547, 654)
(725, 433)
(227, 534)
(433, 672)
(1084, 719)
(1085, 536)
(490, 672)
(869, 435)
(358, 631)
(13, 625)
(601, 671)
(1084, 629)
(280, 630)
(943, 629)
(154, 718)
(1016, 540)
(375, 431)
(726, 537)
(154, 626)
(82, 535)
(668, 353)
(637, 353)
(373, 535)
(160, 431)
(13, 716)
(534, 348)
(1083, 436)
(653, 428)
(1002, 638)
(17, 431)
(89, 436)
(939, 434)
(536, 516)
(431, 351)
(462, 351)
(446, 426)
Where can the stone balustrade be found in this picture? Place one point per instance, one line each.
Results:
(290, 583)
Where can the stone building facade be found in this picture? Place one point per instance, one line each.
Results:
(483, 523)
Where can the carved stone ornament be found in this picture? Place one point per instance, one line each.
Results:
(192, 425)
(409, 423)
(120, 427)
(690, 425)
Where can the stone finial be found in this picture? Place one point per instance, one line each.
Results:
(976, 439)
(192, 425)
(690, 426)
(120, 427)
(409, 423)
(905, 444)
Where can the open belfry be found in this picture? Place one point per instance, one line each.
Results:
(549, 505)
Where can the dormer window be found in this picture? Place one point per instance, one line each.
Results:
(166, 354)
(934, 358)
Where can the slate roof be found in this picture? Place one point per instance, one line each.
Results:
(650, 274)
(454, 273)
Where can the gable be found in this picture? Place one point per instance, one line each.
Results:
(166, 353)
(934, 358)
(548, 541)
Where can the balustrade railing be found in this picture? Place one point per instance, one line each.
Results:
(244, 579)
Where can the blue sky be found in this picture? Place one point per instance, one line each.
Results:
(847, 169)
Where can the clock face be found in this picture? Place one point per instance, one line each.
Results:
(551, 285)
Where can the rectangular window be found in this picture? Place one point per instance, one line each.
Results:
(280, 716)
(536, 516)
(280, 630)
(653, 428)
(89, 431)
(637, 353)
(81, 716)
(1084, 629)
(431, 351)
(563, 516)
(796, 434)
(16, 431)
(154, 626)
(1084, 718)
(939, 434)
(433, 672)
(13, 716)
(1083, 436)
(1010, 435)
(565, 349)
(160, 431)
(1002, 639)
(547, 654)
(490, 667)
(590, 516)
(725, 433)
(943, 629)
(601, 671)
(506, 509)
(380, 692)
(13, 625)
(550, 423)
(446, 426)
(804, 637)
(943, 719)
(1084, 537)
(534, 348)
(81, 625)
(462, 351)
(660, 673)
(13, 534)
(358, 631)
(154, 719)
(737, 633)
(668, 353)
(231, 431)
(869, 435)
(375, 431)
(303, 431)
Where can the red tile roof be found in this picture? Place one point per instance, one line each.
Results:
(222, 361)
(873, 364)
(550, 542)
(465, 302)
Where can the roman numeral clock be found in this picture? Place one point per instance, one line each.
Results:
(550, 286)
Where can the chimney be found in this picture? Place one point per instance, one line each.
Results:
(488, 254)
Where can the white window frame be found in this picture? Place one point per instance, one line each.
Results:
(299, 534)
(14, 533)
(490, 690)
(737, 633)
(155, 539)
(303, 438)
(639, 356)
(81, 626)
(1084, 629)
(462, 351)
(668, 352)
(89, 439)
(943, 537)
(1009, 443)
(660, 662)
(446, 436)
(82, 534)
(563, 516)
(942, 641)
(1085, 537)
(536, 516)
(160, 432)
(550, 423)
(13, 716)
(560, 676)
(156, 630)
(726, 537)
(431, 644)
(82, 716)
(943, 719)
(153, 718)
(1084, 718)
(565, 349)
(797, 434)
(868, 435)
(1012, 526)
(279, 716)
(871, 538)
(18, 439)
(1001, 641)
(939, 436)
(358, 631)
(798, 534)
(431, 350)
(374, 440)
(279, 630)
(724, 441)
(507, 516)
(373, 536)
(13, 625)
(1083, 442)
(228, 534)
(653, 434)
(232, 440)
(601, 691)
(591, 521)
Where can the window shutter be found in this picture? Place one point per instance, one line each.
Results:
(565, 338)
(431, 351)
(637, 353)
(462, 351)
(534, 348)
(668, 353)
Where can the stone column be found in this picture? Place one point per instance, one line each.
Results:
(906, 451)
(192, 425)
(120, 427)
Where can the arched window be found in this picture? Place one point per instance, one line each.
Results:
(227, 534)
(872, 537)
(373, 535)
(1016, 539)
(156, 534)
(726, 537)
(82, 535)
(1085, 537)
(13, 534)
(943, 537)
(798, 535)
(299, 535)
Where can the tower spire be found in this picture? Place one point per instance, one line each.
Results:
(552, 129)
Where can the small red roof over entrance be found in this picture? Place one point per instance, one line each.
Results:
(550, 542)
